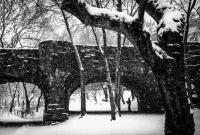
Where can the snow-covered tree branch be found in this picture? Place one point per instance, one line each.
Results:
(128, 25)
(166, 57)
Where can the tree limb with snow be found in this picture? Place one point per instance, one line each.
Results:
(166, 57)
(128, 25)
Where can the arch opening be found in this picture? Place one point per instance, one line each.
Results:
(145, 89)
(21, 101)
(97, 99)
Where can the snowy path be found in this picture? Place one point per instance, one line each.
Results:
(95, 124)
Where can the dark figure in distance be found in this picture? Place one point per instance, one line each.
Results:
(129, 104)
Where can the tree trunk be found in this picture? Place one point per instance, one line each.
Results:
(26, 98)
(13, 98)
(81, 69)
(12, 102)
(178, 120)
(46, 101)
(67, 98)
(105, 92)
(118, 58)
(83, 98)
(18, 98)
(121, 95)
(38, 103)
(132, 95)
(108, 76)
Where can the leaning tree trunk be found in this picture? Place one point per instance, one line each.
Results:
(81, 69)
(165, 58)
(38, 103)
(108, 76)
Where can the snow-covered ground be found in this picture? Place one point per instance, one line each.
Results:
(94, 101)
(10, 117)
(95, 124)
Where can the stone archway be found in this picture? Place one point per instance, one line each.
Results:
(22, 65)
(148, 98)
(57, 60)
(54, 70)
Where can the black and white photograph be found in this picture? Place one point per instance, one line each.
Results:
(99, 67)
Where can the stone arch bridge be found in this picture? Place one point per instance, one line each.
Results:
(53, 68)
